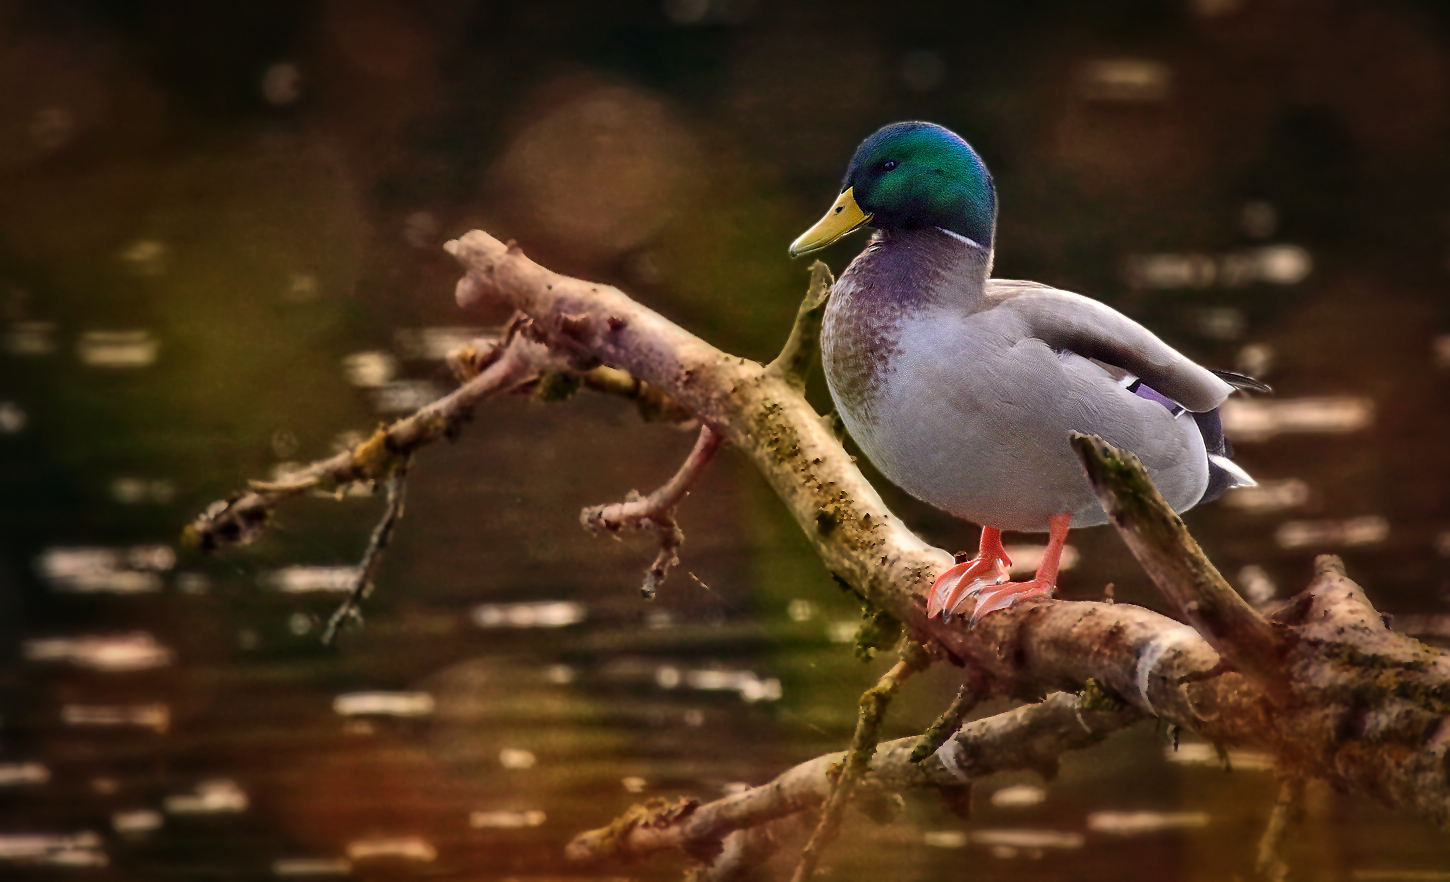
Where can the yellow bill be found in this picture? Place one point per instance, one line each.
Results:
(843, 217)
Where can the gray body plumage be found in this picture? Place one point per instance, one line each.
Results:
(962, 389)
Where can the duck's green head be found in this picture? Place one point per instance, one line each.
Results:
(910, 175)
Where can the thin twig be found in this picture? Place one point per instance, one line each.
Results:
(657, 510)
(1288, 811)
(396, 486)
(968, 697)
(243, 517)
(874, 702)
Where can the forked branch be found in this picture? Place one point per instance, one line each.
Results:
(657, 510)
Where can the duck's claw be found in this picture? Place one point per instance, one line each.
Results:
(965, 580)
(1007, 596)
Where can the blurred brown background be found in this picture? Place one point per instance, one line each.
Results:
(219, 254)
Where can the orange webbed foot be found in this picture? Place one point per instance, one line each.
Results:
(1008, 595)
(985, 576)
(966, 580)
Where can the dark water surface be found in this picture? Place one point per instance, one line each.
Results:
(219, 254)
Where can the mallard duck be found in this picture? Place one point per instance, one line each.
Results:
(962, 388)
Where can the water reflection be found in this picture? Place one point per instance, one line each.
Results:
(405, 396)
(369, 370)
(1269, 495)
(1255, 584)
(1268, 264)
(1257, 419)
(118, 349)
(750, 686)
(1330, 534)
(30, 338)
(506, 820)
(1140, 823)
(219, 797)
(1125, 80)
(412, 848)
(118, 653)
(137, 822)
(310, 579)
(433, 344)
(1019, 796)
(12, 418)
(1026, 558)
(1197, 753)
(134, 570)
(1006, 844)
(73, 850)
(517, 759)
(295, 867)
(531, 614)
(145, 257)
(388, 704)
(130, 490)
(1442, 351)
(153, 715)
(282, 83)
(944, 839)
(20, 774)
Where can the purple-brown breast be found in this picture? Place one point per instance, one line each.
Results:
(898, 274)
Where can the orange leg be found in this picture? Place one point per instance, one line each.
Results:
(966, 579)
(1010, 594)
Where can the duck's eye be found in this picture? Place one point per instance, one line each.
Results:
(888, 165)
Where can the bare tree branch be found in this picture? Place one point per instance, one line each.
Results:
(1323, 727)
(1030, 737)
(396, 486)
(968, 697)
(242, 518)
(657, 510)
(1323, 685)
(1168, 554)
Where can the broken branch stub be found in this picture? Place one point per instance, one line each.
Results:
(1172, 559)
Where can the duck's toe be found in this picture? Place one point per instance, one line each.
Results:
(1007, 596)
(963, 581)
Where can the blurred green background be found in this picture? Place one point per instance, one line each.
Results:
(220, 230)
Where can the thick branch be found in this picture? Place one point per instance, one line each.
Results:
(1170, 556)
(1030, 738)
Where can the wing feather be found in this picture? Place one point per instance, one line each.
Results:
(1094, 330)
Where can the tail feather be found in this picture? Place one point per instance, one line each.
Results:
(1223, 473)
(1241, 381)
